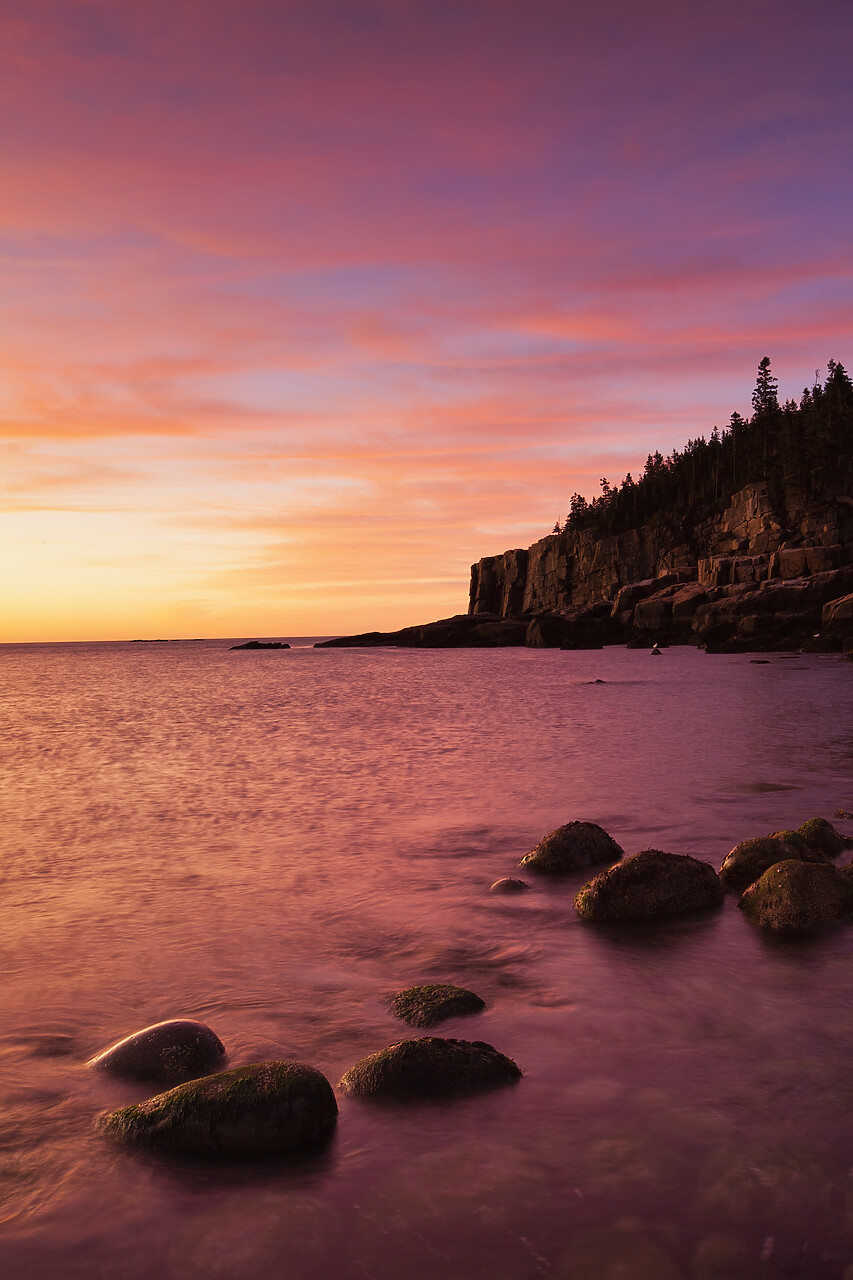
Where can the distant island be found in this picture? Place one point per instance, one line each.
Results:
(741, 542)
(261, 644)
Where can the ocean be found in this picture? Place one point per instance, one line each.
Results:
(273, 841)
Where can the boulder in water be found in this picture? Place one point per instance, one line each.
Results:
(573, 847)
(427, 1005)
(821, 835)
(179, 1049)
(796, 896)
(748, 860)
(429, 1068)
(508, 884)
(266, 1109)
(649, 884)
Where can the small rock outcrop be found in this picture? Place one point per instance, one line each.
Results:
(428, 1005)
(573, 847)
(267, 1109)
(485, 631)
(649, 884)
(509, 884)
(179, 1049)
(747, 861)
(261, 644)
(798, 896)
(820, 835)
(429, 1068)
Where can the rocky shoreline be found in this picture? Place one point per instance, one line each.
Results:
(787, 883)
(755, 579)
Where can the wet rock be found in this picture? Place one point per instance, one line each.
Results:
(796, 896)
(747, 861)
(429, 1068)
(822, 836)
(795, 842)
(179, 1049)
(508, 884)
(425, 1006)
(266, 1109)
(649, 884)
(572, 848)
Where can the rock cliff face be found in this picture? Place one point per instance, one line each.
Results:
(756, 576)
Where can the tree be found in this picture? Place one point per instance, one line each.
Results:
(764, 400)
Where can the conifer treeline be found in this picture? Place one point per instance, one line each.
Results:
(795, 449)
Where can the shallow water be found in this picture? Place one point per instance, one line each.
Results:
(272, 841)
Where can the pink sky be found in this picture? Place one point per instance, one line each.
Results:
(307, 306)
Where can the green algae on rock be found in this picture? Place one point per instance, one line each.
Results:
(794, 896)
(427, 1005)
(265, 1109)
(819, 834)
(572, 847)
(649, 884)
(748, 860)
(429, 1068)
(179, 1049)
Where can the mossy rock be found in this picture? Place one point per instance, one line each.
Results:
(573, 847)
(821, 835)
(649, 884)
(179, 1049)
(794, 841)
(795, 896)
(748, 860)
(508, 884)
(425, 1006)
(429, 1068)
(266, 1109)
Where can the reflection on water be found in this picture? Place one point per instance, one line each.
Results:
(272, 842)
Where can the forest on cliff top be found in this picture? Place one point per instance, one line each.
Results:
(796, 449)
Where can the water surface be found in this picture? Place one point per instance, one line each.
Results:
(271, 841)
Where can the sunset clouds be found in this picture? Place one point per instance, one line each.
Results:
(305, 307)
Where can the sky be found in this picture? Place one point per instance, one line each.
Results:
(307, 306)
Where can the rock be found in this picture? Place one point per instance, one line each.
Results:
(547, 631)
(798, 845)
(429, 1068)
(795, 895)
(266, 1109)
(425, 1006)
(747, 861)
(572, 848)
(176, 1050)
(508, 884)
(649, 884)
(821, 836)
(482, 631)
(261, 644)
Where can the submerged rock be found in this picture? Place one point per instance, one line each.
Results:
(796, 895)
(572, 848)
(648, 884)
(427, 1005)
(508, 884)
(179, 1049)
(748, 860)
(267, 1109)
(821, 835)
(429, 1068)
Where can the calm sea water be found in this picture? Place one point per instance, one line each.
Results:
(272, 841)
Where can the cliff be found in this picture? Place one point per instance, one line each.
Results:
(715, 581)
